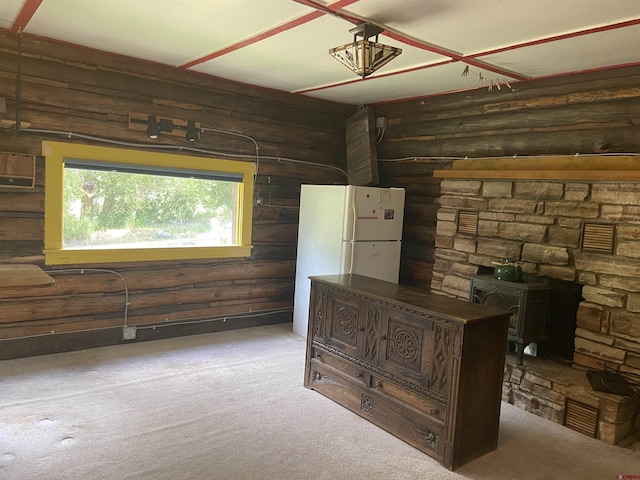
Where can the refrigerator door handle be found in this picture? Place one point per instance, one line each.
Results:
(354, 208)
(351, 260)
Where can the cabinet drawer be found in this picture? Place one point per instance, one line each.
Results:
(419, 430)
(433, 410)
(345, 367)
(334, 385)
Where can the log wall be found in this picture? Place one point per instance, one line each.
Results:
(70, 89)
(590, 113)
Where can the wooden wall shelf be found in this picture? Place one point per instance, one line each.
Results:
(597, 168)
(23, 276)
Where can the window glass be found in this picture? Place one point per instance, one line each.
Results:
(149, 206)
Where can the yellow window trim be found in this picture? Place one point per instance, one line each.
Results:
(55, 254)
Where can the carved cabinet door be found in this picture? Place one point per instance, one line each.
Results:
(417, 350)
(344, 321)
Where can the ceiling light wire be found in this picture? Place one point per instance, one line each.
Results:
(69, 134)
(205, 129)
(83, 136)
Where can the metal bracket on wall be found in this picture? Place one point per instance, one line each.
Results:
(139, 122)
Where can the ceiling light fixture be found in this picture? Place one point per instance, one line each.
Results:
(364, 57)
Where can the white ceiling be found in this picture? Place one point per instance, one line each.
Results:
(283, 44)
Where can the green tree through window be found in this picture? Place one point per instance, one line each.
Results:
(105, 204)
(111, 208)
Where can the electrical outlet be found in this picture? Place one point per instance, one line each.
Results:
(129, 333)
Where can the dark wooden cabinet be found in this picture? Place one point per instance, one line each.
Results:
(424, 367)
(528, 302)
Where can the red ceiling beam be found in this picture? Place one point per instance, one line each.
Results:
(334, 7)
(452, 54)
(25, 15)
(418, 44)
(254, 39)
(331, 10)
(565, 36)
(390, 74)
(473, 59)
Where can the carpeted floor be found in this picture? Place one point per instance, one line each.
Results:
(231, 405)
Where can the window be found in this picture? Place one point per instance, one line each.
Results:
(106, 204)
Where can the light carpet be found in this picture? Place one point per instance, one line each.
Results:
(231, 405)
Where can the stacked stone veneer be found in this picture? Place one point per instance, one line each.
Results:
(540, 224)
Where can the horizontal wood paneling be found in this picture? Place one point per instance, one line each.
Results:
(70, 89)
(301, 140)
(592, 113)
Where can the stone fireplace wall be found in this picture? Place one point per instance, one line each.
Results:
(539, 222)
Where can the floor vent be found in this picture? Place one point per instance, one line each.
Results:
(581, 418)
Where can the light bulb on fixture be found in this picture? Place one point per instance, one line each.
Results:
(192, 131)
(153, 130)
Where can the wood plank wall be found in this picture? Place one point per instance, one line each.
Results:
(591, 113)
(70, 89)
(76, 90)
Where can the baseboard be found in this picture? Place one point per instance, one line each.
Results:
(67, 342)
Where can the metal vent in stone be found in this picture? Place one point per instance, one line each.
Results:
(598, 237)
(581, 418)
(468, 222)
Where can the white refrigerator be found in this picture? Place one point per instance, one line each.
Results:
(346, 229)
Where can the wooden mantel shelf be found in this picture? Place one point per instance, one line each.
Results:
(23, 276)
(602, 168)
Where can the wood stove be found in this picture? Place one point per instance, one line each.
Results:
(528, 302)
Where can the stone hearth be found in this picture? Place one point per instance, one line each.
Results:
(512, 209)
(543, 387)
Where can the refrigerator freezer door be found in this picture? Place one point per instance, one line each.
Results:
(374, 213)
(379, 260)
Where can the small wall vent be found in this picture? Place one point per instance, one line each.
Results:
(598, 237)
(468, 222)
